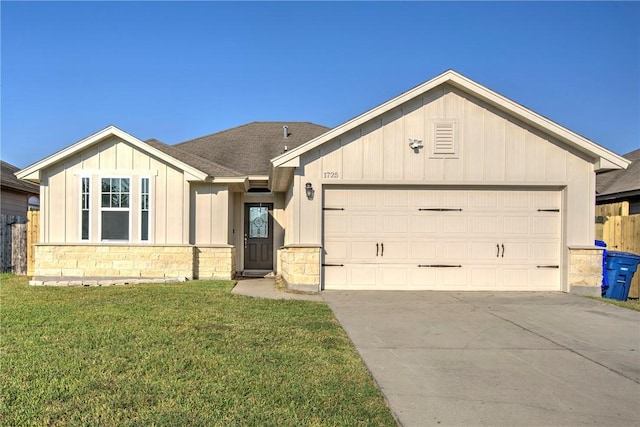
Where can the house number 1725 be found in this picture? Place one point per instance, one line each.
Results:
(331, 175)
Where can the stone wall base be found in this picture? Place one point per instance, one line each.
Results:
(585, 271)
(300, 267)
(109, 262)
(214, 262)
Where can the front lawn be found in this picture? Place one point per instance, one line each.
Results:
(176, 354)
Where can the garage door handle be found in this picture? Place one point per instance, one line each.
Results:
(498, 250)
(382, 249)
(548, 266)
(377, 248)
(503, 251)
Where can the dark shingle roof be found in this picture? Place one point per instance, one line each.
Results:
(10, 181)
(211, 168)
(248, 148)
(622, 180)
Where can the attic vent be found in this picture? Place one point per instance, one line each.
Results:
(444, 139)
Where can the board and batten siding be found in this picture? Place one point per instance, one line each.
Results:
(494, 150)
(169, 205)
(210, 203)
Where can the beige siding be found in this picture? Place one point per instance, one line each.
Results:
(494, 150)
(211, 214)
(169, 204)
(14, 203)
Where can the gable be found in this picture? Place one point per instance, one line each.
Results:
(457, 138)
(111, 158)
(372, 119)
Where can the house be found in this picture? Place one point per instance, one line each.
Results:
(446, 186)
(621, 185)
(16, 194)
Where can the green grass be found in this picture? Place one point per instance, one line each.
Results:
(630, 304)
(176, 354)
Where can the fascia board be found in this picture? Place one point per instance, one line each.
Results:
(457, 80)
(31, 171)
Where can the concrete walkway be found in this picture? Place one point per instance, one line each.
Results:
(266, 288)
(497, 359)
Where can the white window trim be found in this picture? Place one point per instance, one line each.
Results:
(101, 209)
(82, 177)
(149, 210)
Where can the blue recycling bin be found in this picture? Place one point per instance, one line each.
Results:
(620, 269)
(605, 281)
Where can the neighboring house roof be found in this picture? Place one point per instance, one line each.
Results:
(611, 184)
(212, 168)
(11, 182)
(249, 148)
(603, 158)
(32, 172)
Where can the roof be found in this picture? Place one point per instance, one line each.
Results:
(249, 148)
(11, 182)
(211, 168)
(620, 182)
(603, 158)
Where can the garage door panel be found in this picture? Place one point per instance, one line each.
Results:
(337, 250)
(363, 275)
(545, 226)
(453, 251)
(453, 224)
(335, 224)
(394, 250)
(472, 237)
(362, 223)
(516, 225)
(425, 250)
(395, 224)
(483, 224)
(426, 224)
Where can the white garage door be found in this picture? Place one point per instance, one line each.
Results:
(400, 238)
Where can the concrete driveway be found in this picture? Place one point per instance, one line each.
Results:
(497, 359)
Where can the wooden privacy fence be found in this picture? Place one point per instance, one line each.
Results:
(13, 238)
(621, 233)
(33, 237)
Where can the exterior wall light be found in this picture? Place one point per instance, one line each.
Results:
(308, 188)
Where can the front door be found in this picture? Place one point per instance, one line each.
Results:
(258, 236)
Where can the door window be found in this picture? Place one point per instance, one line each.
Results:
(258, 222)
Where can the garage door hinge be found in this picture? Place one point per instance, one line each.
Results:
(332, 209)
(548, 266)
(440, 209)
(439, 265)
(548, 210)
(333, 265)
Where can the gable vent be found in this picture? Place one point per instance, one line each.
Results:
(444, 142)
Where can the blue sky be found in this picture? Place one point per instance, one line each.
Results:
(177, 70)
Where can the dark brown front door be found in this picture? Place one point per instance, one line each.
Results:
(258, 236)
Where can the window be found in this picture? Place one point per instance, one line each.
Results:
(258, 222)
(85, 208)
(115, 208)
(144, 209)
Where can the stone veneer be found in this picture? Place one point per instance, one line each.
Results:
(585, 270)
(300, 267)
(134, 261)
(217, 262)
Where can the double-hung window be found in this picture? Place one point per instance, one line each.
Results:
(115, 201)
